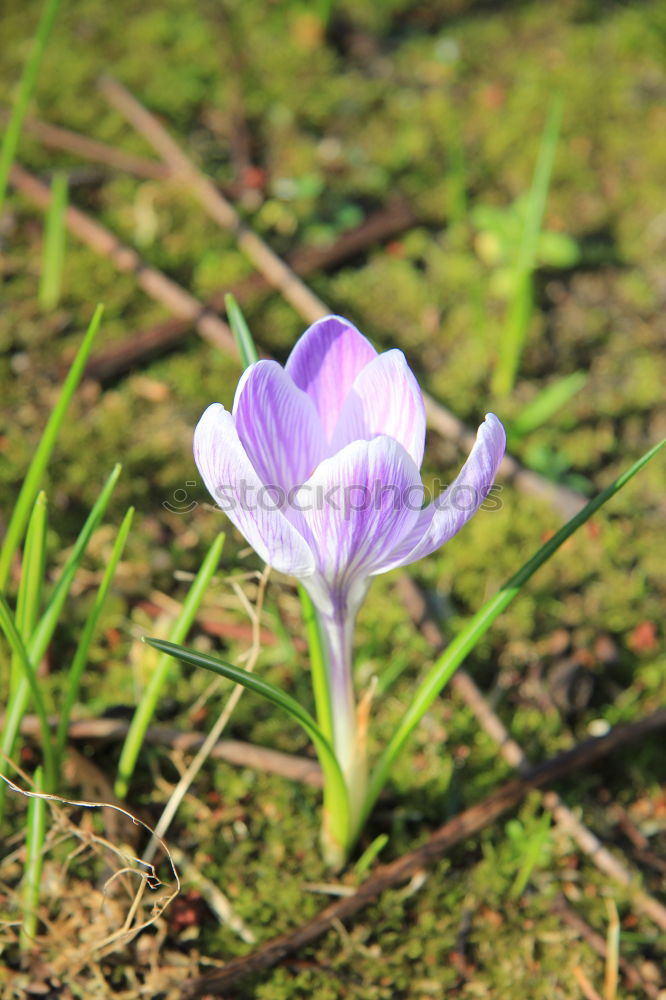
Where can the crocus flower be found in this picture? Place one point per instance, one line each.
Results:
(318, 465)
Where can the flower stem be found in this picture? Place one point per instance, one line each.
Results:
(350, 750)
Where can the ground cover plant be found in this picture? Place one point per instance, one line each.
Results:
(499, 221)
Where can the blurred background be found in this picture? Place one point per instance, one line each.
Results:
(479, 184)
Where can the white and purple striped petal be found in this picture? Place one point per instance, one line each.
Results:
(442, 519)
(232, 480)
(384, 398)
(278, 426)
(356, 508)
(325, 362)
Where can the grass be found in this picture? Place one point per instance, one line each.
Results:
(389, 100)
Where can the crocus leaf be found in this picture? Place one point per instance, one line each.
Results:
(520, 308)
(31, 583)
(26, 87)
(29, 678)
(319, 666)
(545, 405)
(80, 657)
(33, 478)
(241, 331)
(334, 783)
(45, 627)
(454, 654)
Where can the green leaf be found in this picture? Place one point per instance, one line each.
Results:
(34, 860)
(319, 667)
(557, 249)
(520, 309)
(33, 478)
(455, 653)
(544, 405)
(145, 710)
(241, 332)
(80, 657)
(26, 87)
(531, 848)
(32, 580)
(53, 255)
(334, 783)
(46, 625)
(29, 678)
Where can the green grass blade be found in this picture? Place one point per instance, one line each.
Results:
(520, 309)
(32, 875)
(45, 627)
(29, 678)
(26, 87)
(334, 782)
(81, 655)
(539, 410)
(32, 580)
(145, 710)
(443, 669)
(33, 478)
(241, 331)
(318, 666)
(364, 863)
(53, 256)
(47, 623)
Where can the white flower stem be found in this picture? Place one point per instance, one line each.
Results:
(338, 630)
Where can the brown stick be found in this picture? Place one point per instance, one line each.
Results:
(466, 824)
(233, 751)
(162, 337)
(311, 308)
(91, 149)
(156, 284)
(265, 260)
(463, 685)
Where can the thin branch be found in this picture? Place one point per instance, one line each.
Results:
(236, 752)
(92, 149)
(466, 824)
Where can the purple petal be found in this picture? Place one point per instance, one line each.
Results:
(231, 479)
(356, 508)
(453, 508)
(278, 426)
(384, 399)
(324, 363)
